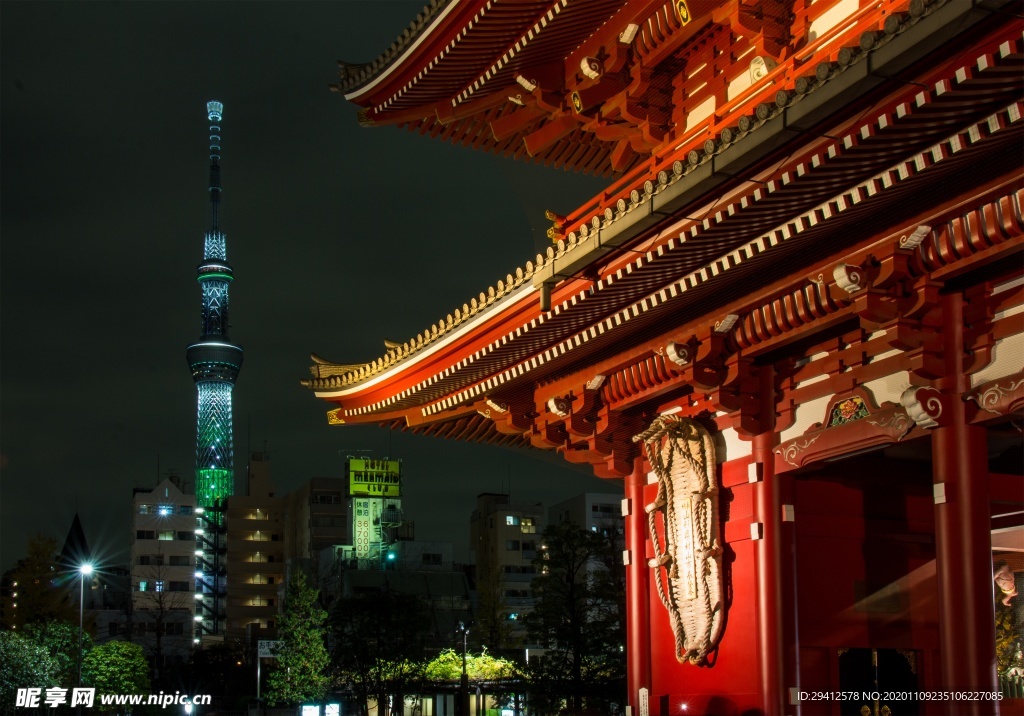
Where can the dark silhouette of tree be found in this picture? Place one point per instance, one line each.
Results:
(300, 672)
(42, 586)
(379, 640)
(578, 617)
(162, 617)
(492, 625)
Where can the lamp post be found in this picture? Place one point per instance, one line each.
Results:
(464, 684)
(83, 571)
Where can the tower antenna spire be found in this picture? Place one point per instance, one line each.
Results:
(214, 113)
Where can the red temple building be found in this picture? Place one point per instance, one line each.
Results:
(792, 324)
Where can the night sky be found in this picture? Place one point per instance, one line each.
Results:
(340, 237)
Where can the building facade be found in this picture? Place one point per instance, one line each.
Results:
(593, 511)
(255, 556)
(161, 617)
(791, 323)
(317, 519)
(504, 538)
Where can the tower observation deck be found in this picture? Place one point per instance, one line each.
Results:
(214, 359)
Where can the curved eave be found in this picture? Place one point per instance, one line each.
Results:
(464, 39)
(477, 330)
(437, 25)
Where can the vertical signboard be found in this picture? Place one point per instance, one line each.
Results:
(362, 525)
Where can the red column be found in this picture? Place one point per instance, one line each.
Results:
(774, 555)
(638, 619)
(963, 541)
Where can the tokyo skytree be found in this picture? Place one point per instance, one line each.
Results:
(214, 359)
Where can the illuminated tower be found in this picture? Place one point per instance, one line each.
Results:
(214, 359)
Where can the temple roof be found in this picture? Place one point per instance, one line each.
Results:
(829, 159)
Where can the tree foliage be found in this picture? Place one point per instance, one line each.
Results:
(117, 667)
(446, 667)
(300, 672)
(379, 638)
(579, 617)
(60, 640)
(216, 669)
(24, 663)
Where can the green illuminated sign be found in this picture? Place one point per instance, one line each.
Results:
(375, 478)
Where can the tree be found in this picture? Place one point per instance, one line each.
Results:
(61, 642)
(446, 669)
(492, 625)
(577, 618)
(379, 642)
(117, 667)
(42, 588)
(302, 660)
(23, 664)
(216, 669)
(162, 615)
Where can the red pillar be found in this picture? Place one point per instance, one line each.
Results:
(774, 558)
(963, 541)
(638, 618)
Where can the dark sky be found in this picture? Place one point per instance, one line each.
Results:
(340, 238)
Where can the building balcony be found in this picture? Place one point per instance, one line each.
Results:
(250, 589)
(518, 578)
(251, 612)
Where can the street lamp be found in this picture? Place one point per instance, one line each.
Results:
(464, 684)
(83, 571)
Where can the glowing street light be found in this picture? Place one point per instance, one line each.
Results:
(83, 571)
(464, 683)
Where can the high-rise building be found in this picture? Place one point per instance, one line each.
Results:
(215, 362)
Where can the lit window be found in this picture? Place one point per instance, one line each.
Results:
(143, 585)
(511, 520)
(165, 535)
(158, 585)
